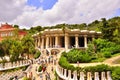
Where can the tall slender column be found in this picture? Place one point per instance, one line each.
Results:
(109, 75)
(93, 37)
(65, 73)
(103, 77)
(66, 41)
(39, 42)
(76, 41)
(69, 74)
(35, 42)
(56, 41)
(89, 76)
(47, 41)
(85, 41)
(42, 45)
(82, 76)
(50, 41)
(96, 76)
(75, 75)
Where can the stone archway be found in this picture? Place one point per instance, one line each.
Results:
(55, 51)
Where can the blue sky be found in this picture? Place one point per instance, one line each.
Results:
(45, 4)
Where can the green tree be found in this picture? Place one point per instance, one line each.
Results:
(15, 50)
(28, 45)
(2, 54)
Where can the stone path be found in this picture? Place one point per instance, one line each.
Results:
(109, 61)
(112, 60)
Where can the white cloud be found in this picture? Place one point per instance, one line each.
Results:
(64, 11)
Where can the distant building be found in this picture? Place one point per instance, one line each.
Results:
(67, 39)
(8, 31)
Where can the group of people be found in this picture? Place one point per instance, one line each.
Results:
(45, 61)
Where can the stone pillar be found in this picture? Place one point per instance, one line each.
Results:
(103, 77)
(35, 42)
(39, 42)
(75, 75)
(66, 41)
(62, 71)
(42, 45)
(96, 76)
(109, 75)
(47, 41)
(76, 41)
(85, 41)
(93, 37)
(56, 41)
(65, 73)
(89, 76)
(69, 74)
(51, 42)
(82, 76)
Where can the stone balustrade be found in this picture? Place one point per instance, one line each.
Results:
(69, 75)
(11, 65)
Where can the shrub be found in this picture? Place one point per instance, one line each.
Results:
(107, 54)
(37, 54)
(26, 78)
(40, 69)
(77, 55)
(116, 73)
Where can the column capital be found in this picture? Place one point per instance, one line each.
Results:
(76, 35)
(85, 35)
(47, 36)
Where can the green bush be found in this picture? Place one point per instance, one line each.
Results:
(26, 78)
(40, 69)
(116, 73)
(37, 54)
(107, 54)
(77, 55)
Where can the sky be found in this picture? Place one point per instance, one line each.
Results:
(30, 13)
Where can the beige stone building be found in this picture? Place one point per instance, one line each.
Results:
(67, 39)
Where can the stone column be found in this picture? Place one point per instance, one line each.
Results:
(75, 75)
(65, 73)
(96, 76)
(69, 74)
(93, 37)
(56, 41)
(85, 41)
(50, 41)
(109, 75)
(82, 76)
(66, 41)
(42, 45)
(47, 41)
(35, 42)
(89, 76)
(39, 42)
(76, 41)
(103, 77)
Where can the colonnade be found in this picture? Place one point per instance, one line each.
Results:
(56, 41)
(64, 74)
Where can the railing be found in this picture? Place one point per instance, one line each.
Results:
(69, 75)
(10, 65)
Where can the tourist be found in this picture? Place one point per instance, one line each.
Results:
(52, 68)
